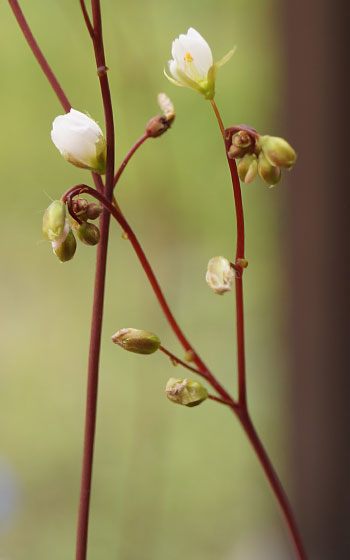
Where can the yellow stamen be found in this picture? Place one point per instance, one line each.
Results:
(188, 57)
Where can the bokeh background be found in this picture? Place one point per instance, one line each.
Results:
(169, 482)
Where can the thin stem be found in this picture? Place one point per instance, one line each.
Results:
(242, 391)
(87, 19)
(39, 55)
(217, 399)
(128, 156)
(177, 360)
(274, 481)
(97, 312)
(241, 410)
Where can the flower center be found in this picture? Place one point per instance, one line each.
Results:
(188, 57)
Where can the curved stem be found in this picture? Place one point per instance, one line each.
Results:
(39, 55)
(128, 156)
(97, 312)
(87, 19)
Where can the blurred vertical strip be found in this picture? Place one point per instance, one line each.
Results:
(317, 90)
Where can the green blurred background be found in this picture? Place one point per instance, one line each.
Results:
(169, 482)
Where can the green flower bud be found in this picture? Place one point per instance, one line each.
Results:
(88, 233)
(93, 211)
(66, 249)
(54, 220)
(219, 275)
(186, 392)
(138, 341)
(269, 173)
(248, 168)
(278, 152)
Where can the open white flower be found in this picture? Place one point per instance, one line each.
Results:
(192, 65)
(80, 140)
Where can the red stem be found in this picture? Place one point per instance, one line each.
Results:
(39, 55)
(241, 410)
(97, 311)
(128, 156)
(178, 361)
(87, 19)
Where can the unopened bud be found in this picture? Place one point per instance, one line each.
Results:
(157, 126)
(135, 340)
(248, 168)
(278, 152)
(93, 211)
(186, 392)
(269, 173)
(54, 220)
(79, 206)
(219, 275)
(88, 233)
(241, 143)
(66, 249)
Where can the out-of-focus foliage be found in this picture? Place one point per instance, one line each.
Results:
(169, 482)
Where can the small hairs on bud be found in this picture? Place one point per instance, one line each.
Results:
(186, 392)
(138, 341)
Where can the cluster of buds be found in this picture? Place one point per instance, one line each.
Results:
(263, 155)
(57, 229)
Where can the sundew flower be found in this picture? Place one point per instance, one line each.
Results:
(80, 140)
(192, 65)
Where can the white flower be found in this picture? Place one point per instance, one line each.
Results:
(192, 65)
(80, 140)
(219, 275)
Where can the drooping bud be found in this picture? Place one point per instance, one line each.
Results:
(88, 233)
(54, 220)
(248, 168)
(65, 249)
(93, 211)
(241, 143)
(80, 206)
(269, 173)
(80, 141)
(138, 341)
(157, 126)
(219, 275)
(186, 392)
(278, 152)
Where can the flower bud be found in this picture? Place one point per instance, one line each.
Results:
(93, 211)
(219, 275)
(157, 126)
(186, 392)
(138, 341)
(241, 143)
(278, 152)
(269, 173)
(248, 168)
(88, 233)
(167, 107)
(54, 220)
(65, 250)
(80, 206)
(80, 141)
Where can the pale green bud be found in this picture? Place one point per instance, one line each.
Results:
(88, 233)
(278, 152)
(248, 168)
(186, 392)
(219, 275)
(138, 341)
(65, 250)
(54, 220)
(269, 173)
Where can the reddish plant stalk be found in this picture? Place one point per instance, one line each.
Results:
(99, 289)
(177, 360)
(128, 156)
(241, 410)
